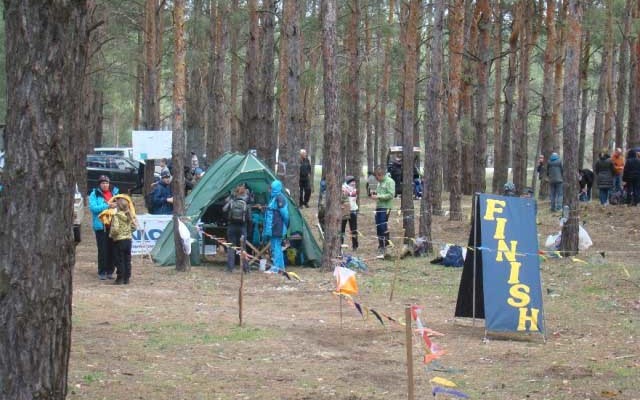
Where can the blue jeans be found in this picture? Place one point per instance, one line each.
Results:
(617, 183)
(555, 195)
(604, 195)
(382, 229)
(276, 253)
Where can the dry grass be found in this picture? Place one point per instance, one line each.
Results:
(172, 335)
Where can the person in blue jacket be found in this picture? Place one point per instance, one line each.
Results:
(162, 197)
(100, 200)
(276, 222)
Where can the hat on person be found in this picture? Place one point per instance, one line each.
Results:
(349, 179)
(165, 174)
(103, 178)
(198, 171)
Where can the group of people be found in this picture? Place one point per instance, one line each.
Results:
(114, 222)
(615, 177)
(160, 200)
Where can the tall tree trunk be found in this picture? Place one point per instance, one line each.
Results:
(585, 89)
(381, 126)
(456, 46)
(332, 151)
(47, 44)
(561, 30)
(621, 91)
(498, 156)
(501, 171)
(178, 136)
(634, 81)
(411, 18)
(601, 105)
(218, 136)
(368, 92)
(569, 241)
(196, 85)
(151, 85)
(610, 46)
(292, 112)
(431, 202)
(482, 95)
(520, 134)
(354, 155)
(251, 90)
(466, 109)
(266, 142)
(232, 111)
(546, 127)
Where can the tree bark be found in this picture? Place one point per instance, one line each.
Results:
(266, 141)
(482, 95)
(196, 86)
(47, 44)
(498, 157)
(218, 136)
(251, 91)
(621, 91)
(569, 240)
(178, 139)
(411, 18)
(332, 150)
(546, 127)
(354, 155)
(456, 46)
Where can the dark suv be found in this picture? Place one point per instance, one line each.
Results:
(122, 171)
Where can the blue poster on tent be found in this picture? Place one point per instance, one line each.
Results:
(511, 269)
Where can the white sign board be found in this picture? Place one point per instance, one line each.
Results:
(151, 145)
(151, 227)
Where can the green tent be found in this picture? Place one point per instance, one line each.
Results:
(205, 201)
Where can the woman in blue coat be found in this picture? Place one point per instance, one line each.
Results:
(276, 222)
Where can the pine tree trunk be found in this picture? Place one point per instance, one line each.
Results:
(621, 90)
(354, 155)
(251, 91)
(546, 128)
(456, 36)
(196, 85)
(266, 142)
(218, 136)
(332, 164)
(498, 157)
(584, 96)
(47, 44)
(482, 95)
(569, 240)
(178, 144)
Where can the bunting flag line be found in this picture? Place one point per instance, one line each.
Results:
(436, 380)
(452, 392)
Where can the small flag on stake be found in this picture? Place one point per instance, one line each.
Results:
(345, 280)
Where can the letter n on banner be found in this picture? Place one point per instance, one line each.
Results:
(501, 277)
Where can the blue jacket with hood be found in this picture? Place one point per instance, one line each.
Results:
(276, 219)
(97, 204)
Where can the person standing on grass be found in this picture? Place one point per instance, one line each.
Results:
(385, 192)
(100, 200)
(238, 213)
(618, 164)
(605, 171)
(276, 222)
(123, 224)
(350, 210)
(631, 175)
(305, 179)
(555, 174)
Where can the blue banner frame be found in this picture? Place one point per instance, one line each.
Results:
(511, 266)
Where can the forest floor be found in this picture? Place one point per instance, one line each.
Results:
(175, 335)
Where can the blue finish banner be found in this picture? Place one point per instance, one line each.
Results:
(511, 268)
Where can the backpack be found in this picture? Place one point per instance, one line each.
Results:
(453, 258)
(238, 211)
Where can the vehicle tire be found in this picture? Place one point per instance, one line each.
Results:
(76, 234)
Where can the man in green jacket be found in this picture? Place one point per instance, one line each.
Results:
(385, 192)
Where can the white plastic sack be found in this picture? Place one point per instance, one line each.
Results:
(185, 236)
(584, 240)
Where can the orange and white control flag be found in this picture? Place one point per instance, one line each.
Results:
(345, 281)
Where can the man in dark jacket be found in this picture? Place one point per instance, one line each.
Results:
(305, 179)
(555, 174)
(585, 181)
(631, 175)
(605, 171)
(162, 197)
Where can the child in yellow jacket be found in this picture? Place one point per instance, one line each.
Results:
(123, 224)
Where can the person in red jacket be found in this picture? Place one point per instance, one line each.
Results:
(618, 164)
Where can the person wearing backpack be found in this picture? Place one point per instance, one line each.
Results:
(276, 222)
(238, 217)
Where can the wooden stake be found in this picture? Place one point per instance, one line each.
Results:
(240, 290)
(409, 345)
(395, 277)
(340, 312)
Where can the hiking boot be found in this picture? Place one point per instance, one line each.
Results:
(102, 277)
(109, 276)
(119, 281)
(380, 254)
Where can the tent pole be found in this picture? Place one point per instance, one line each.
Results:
(475, 211)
